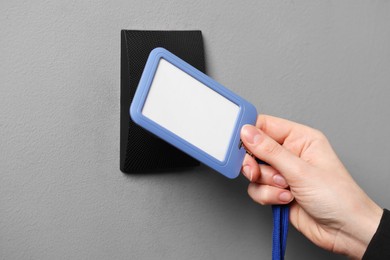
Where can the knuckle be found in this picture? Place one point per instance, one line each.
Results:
(259, 194)
(260, 200)
(271, 148)
(320, 138)
(317, 134)
(261, 122)
(265, 196)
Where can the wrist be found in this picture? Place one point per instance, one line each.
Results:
(359, 229)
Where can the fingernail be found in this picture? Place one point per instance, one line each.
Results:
(246, 170)
(251, 134)
(285, 196)
(279, 180)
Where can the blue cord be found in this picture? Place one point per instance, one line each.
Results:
(280, 230)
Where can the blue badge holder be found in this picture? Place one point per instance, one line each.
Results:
(230, 166)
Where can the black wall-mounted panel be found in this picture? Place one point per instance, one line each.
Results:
(141, 151)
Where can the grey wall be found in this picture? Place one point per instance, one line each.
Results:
(62, 196)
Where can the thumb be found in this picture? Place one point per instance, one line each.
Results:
(268, 150)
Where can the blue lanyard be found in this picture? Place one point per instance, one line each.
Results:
(280, 230)
(281, 219)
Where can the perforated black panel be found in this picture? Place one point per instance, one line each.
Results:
(140, 151)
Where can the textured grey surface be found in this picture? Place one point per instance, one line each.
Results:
(62, 196)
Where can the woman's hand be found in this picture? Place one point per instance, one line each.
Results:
(327, 205)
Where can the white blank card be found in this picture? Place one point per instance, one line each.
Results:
(191, 105)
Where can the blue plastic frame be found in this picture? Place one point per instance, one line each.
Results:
(231, 166)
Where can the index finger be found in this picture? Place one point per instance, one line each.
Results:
(278, 128)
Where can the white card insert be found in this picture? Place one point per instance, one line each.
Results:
(191, 110)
